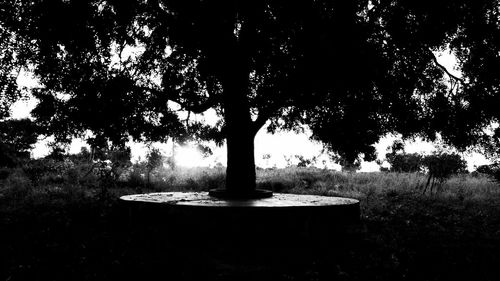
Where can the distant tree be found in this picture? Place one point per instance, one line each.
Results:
(305, 162)
(83, 156)
(107, 163)
(57, 152)
(154, 159)
(351, 70)
(440, 166)
(402, 162)
(491, 170)
(349, 166)
(488, 169)
(405, 163)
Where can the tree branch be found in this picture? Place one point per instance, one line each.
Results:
(263, 117)
(194, 108)
(260, 121)
(453, 77)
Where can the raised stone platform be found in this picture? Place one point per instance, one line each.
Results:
(278, 200)
(283, 218)
(284, 230)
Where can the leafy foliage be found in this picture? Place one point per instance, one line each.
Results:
(111, 163)
(47, 170)
(17, 138)
(14, 54)
(401, 161)
(405, 163)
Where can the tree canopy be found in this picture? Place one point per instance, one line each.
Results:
(351, 70)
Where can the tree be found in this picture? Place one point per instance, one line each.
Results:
(154, 159)
(440, 166)
(405, 162)
(351, 70)
(401, 161)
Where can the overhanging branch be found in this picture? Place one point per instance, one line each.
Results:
(196, 108)
(445, 70)
(260, 121)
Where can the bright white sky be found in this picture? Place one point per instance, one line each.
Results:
(280, 146)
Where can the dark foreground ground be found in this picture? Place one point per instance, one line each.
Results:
(404, 236)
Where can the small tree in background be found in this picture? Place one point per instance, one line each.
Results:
(405, 163)
(402, 162)
(491, 170)
(154, 159)
(440, 167)
(349, 166)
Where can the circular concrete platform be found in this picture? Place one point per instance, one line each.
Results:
(283, 231)
(278, 200)
(281, 219)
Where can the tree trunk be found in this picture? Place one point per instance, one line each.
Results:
(240, 173)
(240, 134)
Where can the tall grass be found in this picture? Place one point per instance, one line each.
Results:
(451, 234)
(363, 186)
(358, 185)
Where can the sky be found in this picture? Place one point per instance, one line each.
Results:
(276, 150)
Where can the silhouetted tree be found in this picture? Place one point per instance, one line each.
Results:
(441, 166)
(402, 162)
(491, 170)
(154, 159)
(352, 70)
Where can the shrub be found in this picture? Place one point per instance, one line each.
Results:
(404, 162)
(36, 169)
(492, 171)
(136, 180)
(16, 186)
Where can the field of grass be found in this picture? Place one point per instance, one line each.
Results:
(75, 231)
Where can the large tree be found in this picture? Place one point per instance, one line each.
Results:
(351, 70)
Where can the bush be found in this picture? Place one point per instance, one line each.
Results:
(136, 180)
(492, 171)
(405, 163)
(16, 186)
(48, 170)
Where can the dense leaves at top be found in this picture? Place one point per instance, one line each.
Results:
(351, 70)
(13, 55)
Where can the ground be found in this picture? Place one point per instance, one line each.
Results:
(75, 233)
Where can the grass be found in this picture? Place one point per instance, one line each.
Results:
(68, 231)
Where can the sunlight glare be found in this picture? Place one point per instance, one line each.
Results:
(188, 156)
